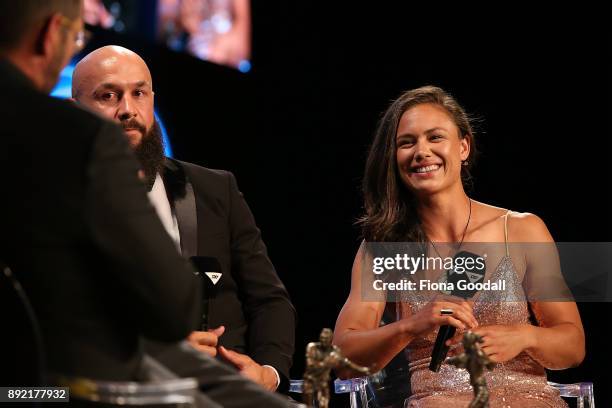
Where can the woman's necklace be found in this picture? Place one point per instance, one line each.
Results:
(464, 230)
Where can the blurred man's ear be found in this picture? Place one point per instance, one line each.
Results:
(48, 35)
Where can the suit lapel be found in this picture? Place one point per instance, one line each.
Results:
(182, 199)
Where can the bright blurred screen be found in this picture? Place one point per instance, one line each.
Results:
(218, 31)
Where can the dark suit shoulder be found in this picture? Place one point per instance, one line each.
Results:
(200, 171)
(211, 183)
(82, 121)
(40, 133)
(47, 115)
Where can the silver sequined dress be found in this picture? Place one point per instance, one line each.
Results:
(520, 382)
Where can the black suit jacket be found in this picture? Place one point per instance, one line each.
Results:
(80, 234)
(250, 300)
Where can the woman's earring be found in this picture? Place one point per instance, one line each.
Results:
(465, 162)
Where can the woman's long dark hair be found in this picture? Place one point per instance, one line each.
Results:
(390, 213)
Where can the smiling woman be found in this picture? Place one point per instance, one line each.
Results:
(430, 126)
(427, 127)
(413, 187)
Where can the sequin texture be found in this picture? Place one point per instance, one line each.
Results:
(520, 382)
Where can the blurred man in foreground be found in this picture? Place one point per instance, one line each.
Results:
(77, 230)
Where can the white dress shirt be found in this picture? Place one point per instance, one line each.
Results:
(159, 199)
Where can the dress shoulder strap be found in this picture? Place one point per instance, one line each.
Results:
(506, 231)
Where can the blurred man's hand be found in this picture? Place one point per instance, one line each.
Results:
(206, 341)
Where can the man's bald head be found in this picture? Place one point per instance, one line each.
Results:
(116, 83)
(104, 60)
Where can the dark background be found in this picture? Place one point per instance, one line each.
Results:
(295, 130)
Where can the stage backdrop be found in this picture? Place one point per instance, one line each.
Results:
(295, 128)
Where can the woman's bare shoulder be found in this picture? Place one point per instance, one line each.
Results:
(486, 214)
(492, 212)
(527, 227)
(522, 226)
(488, 210)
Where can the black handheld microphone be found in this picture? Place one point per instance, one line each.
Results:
(474, 274)
(209, 270)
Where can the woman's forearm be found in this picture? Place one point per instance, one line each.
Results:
(373, 348)
(557, 347)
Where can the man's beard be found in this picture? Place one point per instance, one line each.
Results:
(150, 154)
